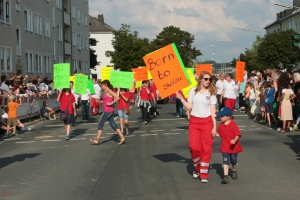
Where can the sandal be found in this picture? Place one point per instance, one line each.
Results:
(127, 131)
(122, 141)
(282, 131)
(95, 141)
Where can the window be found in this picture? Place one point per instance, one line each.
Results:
(18, 34)
(47, 27)
(47, 64)
(5, 14)
(73, 11)
(82, 17)
(74, 39)
(82, 42)
(79, 41)
(78, 15)
(29, 61)
(5, 59)
(38, 62)
(54, 50)
(87, 43)
(18, 2)
(74, 65)
(7, 11)
(85, 20)
(59, 4)
(1, 10)
(28, 20)
(60, 59)
(53, 16)
(59, 33)
(38, 25)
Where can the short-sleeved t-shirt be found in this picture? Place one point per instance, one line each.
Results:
(64, 99)
(153, 90)
(12, 109)
(122, 104)
(144, 94)
(230, 89)
(201, 103)
(228, 133)
(269, 93)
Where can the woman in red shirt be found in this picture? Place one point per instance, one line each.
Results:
(122, 104)
(144, 103)
(67, 102)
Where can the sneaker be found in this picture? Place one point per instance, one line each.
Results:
(296, 127)
(177, 115)
(291, 129)
(204, 180)
(225, 180)
(234, 175)
(196, 174)
(287, 129)
(268, 125)
(67, 137)
(279, 129)
(144, 122)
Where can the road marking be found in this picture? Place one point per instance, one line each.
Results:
(78, 139)
(156, 130)
(14, 139)
(240, 115)
(47, 131)
(172, 133)
(54, 125)
(25, 142)
(41, 137)
(129, 135)
(138, 131)
(241, 129)
(110, 133)
(148, 134)
(242, 126)
(178, 130)
(90, 134)
(52, 140)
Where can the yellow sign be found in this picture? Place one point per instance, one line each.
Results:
(105, 73)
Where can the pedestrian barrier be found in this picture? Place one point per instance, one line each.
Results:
(31, 104)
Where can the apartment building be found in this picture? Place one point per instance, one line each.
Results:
(34, 35)
(102, 32)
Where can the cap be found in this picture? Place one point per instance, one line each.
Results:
(225, 111)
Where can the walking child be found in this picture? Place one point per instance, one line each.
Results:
(12, 119)
(230, 145)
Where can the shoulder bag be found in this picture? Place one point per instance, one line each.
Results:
(64, 113)
(127, 110)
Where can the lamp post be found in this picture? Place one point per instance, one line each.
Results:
(233, 43)
(220, 61)
(246, 29)
(286, 6)
(222, 64)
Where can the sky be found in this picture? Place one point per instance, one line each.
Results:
(210, 21)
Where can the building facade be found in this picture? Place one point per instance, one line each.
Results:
(287, 19)
(37, 34)
(102, 32)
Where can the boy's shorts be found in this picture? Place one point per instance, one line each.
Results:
(12, 121)
(229, 158)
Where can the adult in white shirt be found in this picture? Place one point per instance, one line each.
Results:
(228, 96)
(85, 105)
(201, 102)
(95, 103)
(220, 86)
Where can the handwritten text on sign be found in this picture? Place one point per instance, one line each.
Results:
(122, 79)
(141, 74)
(203, 67)
(166, 70)
(61, 75)
(90, 86)
(240, 70)
(81, 82)
(105, 72)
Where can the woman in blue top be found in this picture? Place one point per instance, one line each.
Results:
(269, 100)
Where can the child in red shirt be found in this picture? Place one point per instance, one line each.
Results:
(230, 145)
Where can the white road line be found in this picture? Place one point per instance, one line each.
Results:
(240, 115)
(242, 126)
(148, 125)
(14, 139)
(110, 133)
(25, 142)
(52, 140)
(148, 134)
(138, 131)
(241, 129)
(43, 137)
(54, 125)
(157, 130)
(129, 135)
(89, 134)
(178, 130)
(47, 131)
(172, 133)
(78, 139)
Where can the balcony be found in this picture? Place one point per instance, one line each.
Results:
(67, 18)
(67, 48)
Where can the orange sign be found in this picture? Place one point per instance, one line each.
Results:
(240, 69)
(203, 67)
(167, 70)
(141, 74)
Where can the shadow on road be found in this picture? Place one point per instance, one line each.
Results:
(218, 167)
(295, 144)
(173, 157)
(16, 158)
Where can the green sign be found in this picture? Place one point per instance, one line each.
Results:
(61, 75)
(122, 79)
(81, 82)
(90, 86)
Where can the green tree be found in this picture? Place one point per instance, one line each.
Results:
(183, 41)
(93, 56)
(277, 48)
(129, 49)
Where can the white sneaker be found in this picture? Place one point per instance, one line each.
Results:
(279, 129)
(204, 180)
(291, 129)
(195, 175)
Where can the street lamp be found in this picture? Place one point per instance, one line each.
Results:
(286, 6)
(222, 64)
(233, 43)
(246, 29)
(220, 61)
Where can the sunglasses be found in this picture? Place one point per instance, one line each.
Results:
(207, 79)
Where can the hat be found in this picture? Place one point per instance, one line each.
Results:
(225, 111)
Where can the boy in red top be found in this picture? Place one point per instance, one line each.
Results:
(12, 119)
(230, 145)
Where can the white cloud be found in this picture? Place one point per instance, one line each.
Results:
(209, 20)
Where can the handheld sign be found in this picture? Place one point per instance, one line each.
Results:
(105, 72)
(90, 86)
(240, 70)
(122, 79)
(81, 82)
(186, 90)
(167, 70)
(140, 74)
(203, 67)
(61, 75)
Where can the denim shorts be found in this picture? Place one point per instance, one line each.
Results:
(229, 158)
(68, 121)
(122, 114)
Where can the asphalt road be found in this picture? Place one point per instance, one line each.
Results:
(154, 163)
